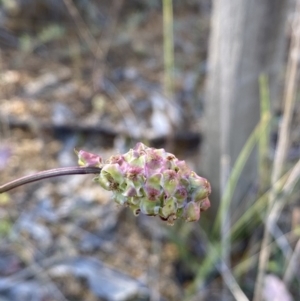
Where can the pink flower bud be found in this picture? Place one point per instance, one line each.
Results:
(205, 204)
(88, 159)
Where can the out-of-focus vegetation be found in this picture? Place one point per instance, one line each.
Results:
(100, 76)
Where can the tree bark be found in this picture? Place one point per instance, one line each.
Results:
(247, 40)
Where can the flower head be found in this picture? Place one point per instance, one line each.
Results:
(154, 182)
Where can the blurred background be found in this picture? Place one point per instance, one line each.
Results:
(215, 83)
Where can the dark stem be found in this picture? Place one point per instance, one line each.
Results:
(56, 172)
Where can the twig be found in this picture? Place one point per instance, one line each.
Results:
(84, 31)
(250, 260)
(292, 265)
(56, 172)
(228, 278)
(104, 44)
(286, 190)
(289, 99)
(12, 280)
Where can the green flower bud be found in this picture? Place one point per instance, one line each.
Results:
(135, 159)
(130, 191)
(134, 200)
(192, 212)
(169, 181)
(153, 181)
(199, 187)
(149, 207)
(120, 199)
(111, 177)
(181, 195)
(135, 209)
(169, 208)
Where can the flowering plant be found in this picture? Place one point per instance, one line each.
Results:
(147, 180)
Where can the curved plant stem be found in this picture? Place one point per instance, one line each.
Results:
(56, 172)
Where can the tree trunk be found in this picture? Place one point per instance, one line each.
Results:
(247, 40)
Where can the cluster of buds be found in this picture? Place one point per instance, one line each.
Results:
(152, 181)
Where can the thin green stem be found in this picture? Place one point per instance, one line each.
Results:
(168, 47)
